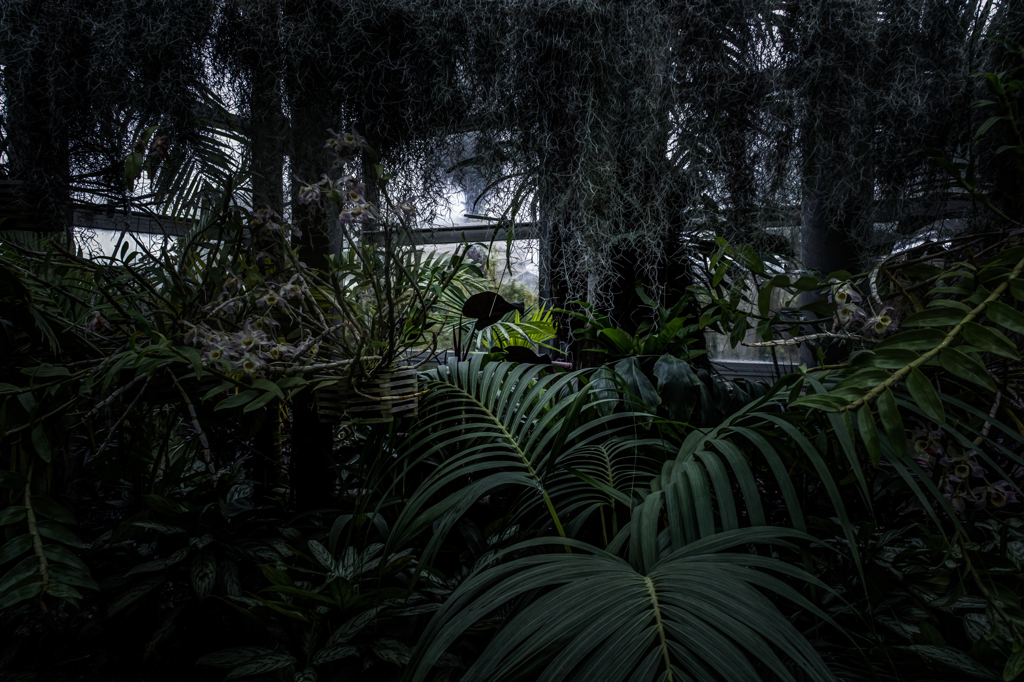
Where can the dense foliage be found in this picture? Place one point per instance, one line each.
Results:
(643, 519)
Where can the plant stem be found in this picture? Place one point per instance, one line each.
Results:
(904, 371)
(33, 530)
(661, 629)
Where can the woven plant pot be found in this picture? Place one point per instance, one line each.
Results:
(391, 394)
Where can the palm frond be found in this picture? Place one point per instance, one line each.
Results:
(697, 613)
(485, 427)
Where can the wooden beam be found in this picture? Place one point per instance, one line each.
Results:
(139, 223)
(457, 234)
(98, 218)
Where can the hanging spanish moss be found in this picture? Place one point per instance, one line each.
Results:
(624, 130)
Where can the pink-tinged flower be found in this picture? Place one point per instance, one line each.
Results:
(250, 339)
(294, 287)
(999, 494)
(849, 314)
(96, 323)
(845, 294)
(878, 324)
(925, 443)
(352, 214)
(212, 355)
(309, 194)
(270, 299)
(963, 467)
(352, 139)
(250, 363)
(259, 216)
(354, 184)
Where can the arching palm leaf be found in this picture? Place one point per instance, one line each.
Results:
(697, 613)
(604, 478)
(488, 427)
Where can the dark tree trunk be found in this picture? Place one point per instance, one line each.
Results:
(38, 148)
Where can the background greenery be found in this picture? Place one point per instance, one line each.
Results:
(636, 517)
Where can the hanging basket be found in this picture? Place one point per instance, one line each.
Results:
(386, 396)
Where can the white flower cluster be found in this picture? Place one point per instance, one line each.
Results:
(248, 350)
(852, 316)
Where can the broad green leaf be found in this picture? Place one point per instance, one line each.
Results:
(194, 357)
(335, 652)
(55, 531)
(133, 168)
(63, 591)
(990, 340)
(46, 371)
(134, 593)
(892, 422)
(20, 594)
(72, 576)
(963, 366)
(1017, 289)
(983, 128)
(291, 382)
(41, 442)
(821, 401)
(15, 548)
(678, 386)
(869, 434)
(267, 385)
(12, 514)
(623, 341)
(868, 377)
(262, 664)
(351, 628)
(950, 303)
(924, 395)
(25, 568)
(60, 554)
(1014, 666)
(321, 554)
(218, 390)
(934, 317)
(889, 358)
(918, 339)
(232, 658)
(237, 400)
(1006, 316)
(261, 401)
(50, 509)
(638, 384)
(159, 564)
(204, 572)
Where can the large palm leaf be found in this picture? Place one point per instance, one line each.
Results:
(698, 613)
(492, 426)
